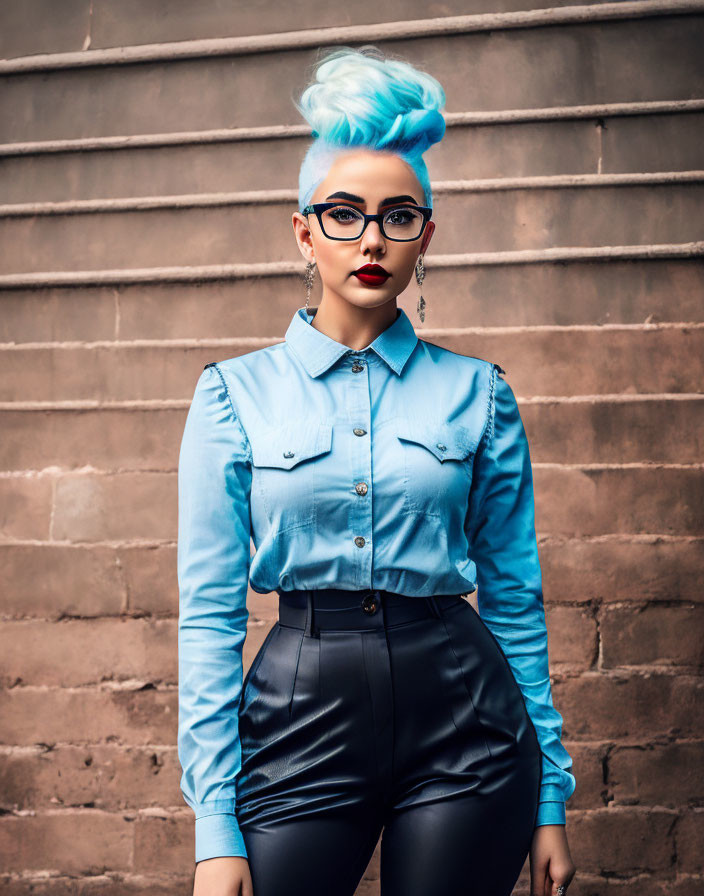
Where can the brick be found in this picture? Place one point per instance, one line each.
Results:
(109, 777)
(663, 430)
(583, 362)
(618, 500)
(160, 883)
(633, 706)
(652, 142)
(620, 568)
(75, 841)
(150, 573)
(115, 507)
(135, 716)
(25, 506)
(657, 774)
(588, 769)
(572, 636)
(52, 580)
(652, 635)
(77, 652)
(623, 841)
(163, 840)
(126, 438)
(689, 836)
(56, 314)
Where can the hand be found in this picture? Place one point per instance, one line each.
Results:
(550, 861)
(223, 876)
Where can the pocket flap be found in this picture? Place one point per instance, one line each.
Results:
(291, 443)
(447, 441)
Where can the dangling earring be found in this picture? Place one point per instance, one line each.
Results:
(309, 277)
(420, 275)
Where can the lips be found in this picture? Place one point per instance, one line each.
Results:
(372, 274)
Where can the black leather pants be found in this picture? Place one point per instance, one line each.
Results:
(367, 713)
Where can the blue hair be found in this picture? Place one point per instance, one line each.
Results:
(362, 99)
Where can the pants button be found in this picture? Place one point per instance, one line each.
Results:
(370, 604)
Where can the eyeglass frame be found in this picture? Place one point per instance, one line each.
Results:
(319, 207)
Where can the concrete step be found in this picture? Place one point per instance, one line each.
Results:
(494, 216)
(92, 24)
(571, 501)
(597, 141)
(641, 429)
(164, 90)
(610, 291)
(541, 361)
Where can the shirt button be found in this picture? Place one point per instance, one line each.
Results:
(442, 447)
(356, 367)
(359, 432)
(360, 541)
(361, 488)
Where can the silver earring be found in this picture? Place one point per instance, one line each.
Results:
(420, 276)
(309, 277)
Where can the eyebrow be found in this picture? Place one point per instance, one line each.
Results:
(341, 194)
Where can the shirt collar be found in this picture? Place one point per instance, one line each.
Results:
(318, 352)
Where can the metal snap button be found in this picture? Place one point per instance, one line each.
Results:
(442, 447)
(370, 604)
(361, 488)
(356, 367)
(288, 453)
(360, 541)
(359, 432)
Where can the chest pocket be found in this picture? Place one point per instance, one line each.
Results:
(286, 474)
(437, 464)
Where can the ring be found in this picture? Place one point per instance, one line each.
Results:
(561, 890)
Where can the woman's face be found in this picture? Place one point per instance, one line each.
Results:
(372, 177)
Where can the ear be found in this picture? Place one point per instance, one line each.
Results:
(427, 234)
(303, 236)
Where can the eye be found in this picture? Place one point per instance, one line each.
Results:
(343, 214)
(401, 216)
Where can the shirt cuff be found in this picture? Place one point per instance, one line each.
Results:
(218, 835)
(551, 812)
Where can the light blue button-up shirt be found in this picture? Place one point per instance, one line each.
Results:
(402, 466)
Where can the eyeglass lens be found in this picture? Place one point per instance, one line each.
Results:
(402, 223)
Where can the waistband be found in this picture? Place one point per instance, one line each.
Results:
(335, 609)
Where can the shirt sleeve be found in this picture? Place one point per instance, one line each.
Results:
(213, 558)
(502, 542)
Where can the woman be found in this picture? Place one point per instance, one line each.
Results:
(381, 477)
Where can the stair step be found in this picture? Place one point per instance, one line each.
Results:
(493, 216)
(544, 361)
(246, 159)
(123, 436)
(482, 65)
(607, 291)
(76, 25)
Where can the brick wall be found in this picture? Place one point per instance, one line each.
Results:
(142, 157)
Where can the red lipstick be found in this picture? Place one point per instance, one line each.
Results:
(372, 274)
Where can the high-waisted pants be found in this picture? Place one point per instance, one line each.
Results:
(368, 714)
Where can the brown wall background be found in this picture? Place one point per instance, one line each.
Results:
(148, 170)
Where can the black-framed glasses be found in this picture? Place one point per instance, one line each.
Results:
(401, 223)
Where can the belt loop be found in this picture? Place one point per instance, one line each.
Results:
(310, 621)
(434, 608)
